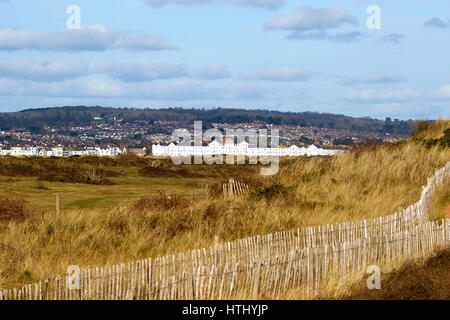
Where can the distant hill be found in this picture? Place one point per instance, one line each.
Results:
(35, 119)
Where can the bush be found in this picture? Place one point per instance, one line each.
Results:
(270, 192)
(370, 145)
(41, 186)
(443, 142)
(193, 184)
(211, 212)
(215, 189)
(160, 202)
(13, 209)
(421, 126)
(59, 170)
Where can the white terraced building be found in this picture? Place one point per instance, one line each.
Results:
(216, 148)
(59, 151)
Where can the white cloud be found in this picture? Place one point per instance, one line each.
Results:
(282, 74)
(306, 23)
(404, 110)
(141, 72)
(378, 78)
(42, 70)
(160, 3)
(382, 95)
(91, 38)
(347, 37)
(214, 72)
(437, 23)
(269, 4)
(443, 93)
(306, 18)
(81, 87)
(133, 72)
(393, 38)
(107, 88)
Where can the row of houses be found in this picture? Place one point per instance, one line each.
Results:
(60, 151)
(171, 150)
(243, 148)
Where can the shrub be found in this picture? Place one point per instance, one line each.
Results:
(160, 202)
(367, 146)
(194, 184)
(215, 189)
(269, 192)
(443, 142)
(13, 209)
(420, 126)
(211, 212)
(60, 170)
(172, 171)
(41, 186)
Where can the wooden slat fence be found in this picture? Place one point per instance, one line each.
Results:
(265, 264)
(234, 188)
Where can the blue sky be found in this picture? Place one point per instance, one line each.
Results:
(287, 55)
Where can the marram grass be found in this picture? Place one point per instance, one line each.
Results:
(371, 182)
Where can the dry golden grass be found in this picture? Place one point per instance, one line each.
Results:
(13, 209)
(428, 280)
(428, 130)
(440, 204)
(368, 183)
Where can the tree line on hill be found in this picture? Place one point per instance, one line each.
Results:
(37, 119)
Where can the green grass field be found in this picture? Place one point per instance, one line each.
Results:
(127, 188)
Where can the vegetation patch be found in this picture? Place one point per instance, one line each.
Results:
(13, 209)
(173, 171)
(160, 202)
(268, 193)
(55, 170)
(443, 142)
(86, 203)
(414, 281)
(305, 192)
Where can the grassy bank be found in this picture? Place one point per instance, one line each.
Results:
(414, 281)
(370, 181)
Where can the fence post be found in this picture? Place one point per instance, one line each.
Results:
(445, 233)
(131, 289)
(257, 279)
(190, 279)
(57, 203)
(149, 278)
(216, 249)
